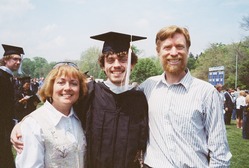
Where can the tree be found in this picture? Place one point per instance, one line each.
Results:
(191, 62)
(225, 55)
(212, 57)
(89, 62)
(36, 67)
(28, 67)
(145, 68)
(41, 67)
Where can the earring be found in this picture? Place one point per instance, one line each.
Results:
(50, 99)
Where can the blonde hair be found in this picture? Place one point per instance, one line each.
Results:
(242, 93)
(46, 90)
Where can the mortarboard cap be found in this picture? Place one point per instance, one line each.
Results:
(86, 74)
(8, 50)
(116, 42)
(24, 79)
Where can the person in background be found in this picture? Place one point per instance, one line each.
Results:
(185, 113)
(54, 129)
(10, 62)
(229, 106)
(25, 100)
(245, 129)
(34, 85)
(240, 105)
(219, 89)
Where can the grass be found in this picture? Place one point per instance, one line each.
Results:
(238, 146)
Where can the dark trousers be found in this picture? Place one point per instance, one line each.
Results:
(228, 116)
(245, 130)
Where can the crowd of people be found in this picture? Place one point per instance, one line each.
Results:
(170, 120)
(236, 103)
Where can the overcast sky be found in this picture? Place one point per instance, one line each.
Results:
(59, 30)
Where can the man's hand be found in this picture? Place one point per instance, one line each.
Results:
(15, 138)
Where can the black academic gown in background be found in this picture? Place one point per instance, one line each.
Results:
(21, 110)
(6, 118)
(116, 127)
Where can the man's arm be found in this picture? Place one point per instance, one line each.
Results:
(219, 151)
(15, 138)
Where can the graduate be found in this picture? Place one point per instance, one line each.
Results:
(10, 63)
(117, 120)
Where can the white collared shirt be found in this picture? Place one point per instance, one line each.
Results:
(117, 89)
(6, 69)
(33, 155)
(186, 124)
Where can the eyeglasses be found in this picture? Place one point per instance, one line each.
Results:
(17, 59)
(66, 63)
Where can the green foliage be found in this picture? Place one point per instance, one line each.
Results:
(191, 62)
(35, 68)
(145, 68)
(225, 55)
(89, 62)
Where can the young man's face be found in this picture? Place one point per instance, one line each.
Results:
(14, 62)
(115, 68)
(173, 54)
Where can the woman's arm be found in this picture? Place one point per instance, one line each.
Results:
(32, 154)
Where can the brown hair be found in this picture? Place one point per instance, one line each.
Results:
(46, 90)
(102, 57)
(5, 58)
(170, 31)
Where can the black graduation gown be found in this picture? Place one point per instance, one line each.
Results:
(21, 109)
(117, 127)
(6, 118)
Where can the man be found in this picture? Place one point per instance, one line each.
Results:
(9, 63)
(221, 93)
(117, 121)
(185, 113)
(228, 106)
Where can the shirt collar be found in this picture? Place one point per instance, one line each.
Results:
(55, 115)
(185, 81)
(116, 89)
(6, 69)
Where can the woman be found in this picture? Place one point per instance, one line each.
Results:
(52, 134)
(240, 105)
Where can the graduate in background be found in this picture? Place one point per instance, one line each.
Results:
(26, 100)
(10, 62)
